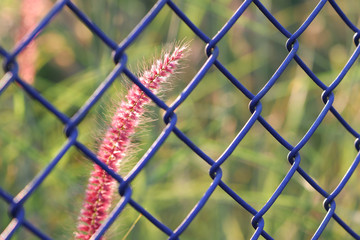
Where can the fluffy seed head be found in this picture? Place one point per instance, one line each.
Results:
(113, 149)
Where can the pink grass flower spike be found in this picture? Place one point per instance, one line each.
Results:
(113, 149)
(31, 12)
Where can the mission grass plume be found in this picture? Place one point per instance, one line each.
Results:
(113, 149)
(31, 12)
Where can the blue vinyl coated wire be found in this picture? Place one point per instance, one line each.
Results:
(17, 211)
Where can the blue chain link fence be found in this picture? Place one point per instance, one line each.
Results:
(16, 203)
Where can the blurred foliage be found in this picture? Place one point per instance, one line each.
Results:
(73, 62)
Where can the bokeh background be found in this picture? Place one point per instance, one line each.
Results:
(71, 62)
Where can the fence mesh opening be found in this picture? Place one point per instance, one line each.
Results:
(256, 138)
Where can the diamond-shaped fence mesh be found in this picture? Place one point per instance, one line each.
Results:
(285, 168)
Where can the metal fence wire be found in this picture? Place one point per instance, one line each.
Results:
(16, 203)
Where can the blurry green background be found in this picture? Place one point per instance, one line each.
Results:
(72, 63)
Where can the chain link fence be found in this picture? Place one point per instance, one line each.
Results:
(295, 147)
